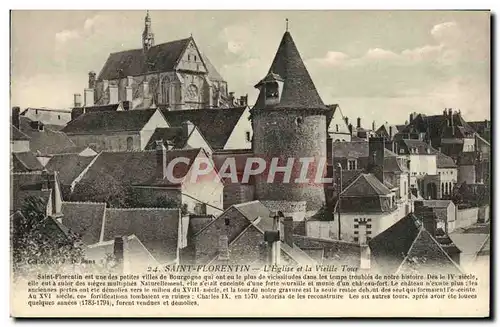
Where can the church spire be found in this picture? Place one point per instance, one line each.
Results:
(148, 37)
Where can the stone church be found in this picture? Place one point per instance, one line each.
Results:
(173, 75)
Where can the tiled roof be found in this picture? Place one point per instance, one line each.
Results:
(75, 149)
(78, 111)
(427, 255)
(253, 210)
(393, 165)
(24, 185)
(160, 58)
(109, 121)
(213, 74)
(25, 111)
(135, 253)
(437, 203)
(443, 161)
(180, 170)
(420, 146)
(69, 166)
(298, 88)
(365, 185)
(171, 135)
(216, 125)
(84, 219)
(26, 161)
(17, 135)
(355, 150)
(334, 251)
(158, 229)
(47, 141)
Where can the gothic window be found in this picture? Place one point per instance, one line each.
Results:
(442, 188)
(130, 143)
(165, 90)
(351, 164)
(446, 189)
(272, 90)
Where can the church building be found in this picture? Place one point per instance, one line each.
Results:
(174, 75)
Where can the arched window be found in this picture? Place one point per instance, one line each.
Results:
(165, 90)
(446, 189)
(450, 187)
(442, 189)
(130, 143)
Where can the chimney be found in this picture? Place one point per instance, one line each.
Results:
(113, 94)
(91, 80)
(365, 252)
(187, 127)
(77, 100)
(264, 253)
(56, 196)
(243, 100)
(346, 120)
(288, 231)
(119, 249)
(231, 99)
(15, 116)
(390, 132)
(223, 248)
(411, 117)
(451, 122)
(45, 180)
(376, 148)
(359, 123)
(350, 129)
(161, 160)
(128, 93)
(89, 97)
(444, 113)
(127, 105)
(373, 126)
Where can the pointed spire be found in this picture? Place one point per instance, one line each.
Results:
(286, 25)
(148, 37)
(298, 88)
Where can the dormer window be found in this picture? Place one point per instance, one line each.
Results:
(272, 86)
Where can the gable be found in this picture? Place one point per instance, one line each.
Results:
(191, 59)
(338, 120)
(238, 137)
(196, 141)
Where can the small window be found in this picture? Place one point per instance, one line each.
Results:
(36, 111)
(195, 58)
(130, 143)
(59, 117)
(337, 127)
(227, 221)
(189, 57)
(351, 164)
(247, 136)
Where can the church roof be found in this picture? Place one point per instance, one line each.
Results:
(298, 88)
(159, 58)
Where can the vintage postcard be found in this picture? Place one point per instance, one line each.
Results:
(250, 163)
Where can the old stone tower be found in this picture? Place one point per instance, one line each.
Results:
(289, 122)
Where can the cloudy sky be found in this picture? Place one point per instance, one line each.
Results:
(378, 65)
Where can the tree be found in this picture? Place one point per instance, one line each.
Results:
(40, 243)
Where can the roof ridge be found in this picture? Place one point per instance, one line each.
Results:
(143, 209)
(83, 202)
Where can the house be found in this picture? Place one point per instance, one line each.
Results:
(238, 236)
(409, 246)
(448, 174)
(19, 142)
(71, 168)
(198, 193)
(226, 129)
(44, 140)
(445, 210)
(115, 130)
(40, 184)
(338, 126)
(133, 179)
(387, 131)
(150, 235)
(175, 74)
(54, 118)
(186, 136)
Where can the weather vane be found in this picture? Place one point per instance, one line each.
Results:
(286, 24)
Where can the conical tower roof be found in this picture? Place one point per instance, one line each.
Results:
(298, 88)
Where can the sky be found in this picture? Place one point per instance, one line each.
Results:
(377, 65)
